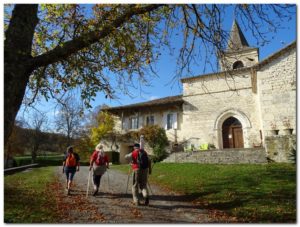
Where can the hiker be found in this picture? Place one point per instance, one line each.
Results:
(141, 166)
(99, 163)
(70, 165)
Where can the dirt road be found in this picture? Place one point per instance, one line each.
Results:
(114, 205)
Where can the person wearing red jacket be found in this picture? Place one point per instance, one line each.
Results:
(141, 169)
(99, 163)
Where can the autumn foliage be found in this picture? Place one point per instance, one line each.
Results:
(105, 125)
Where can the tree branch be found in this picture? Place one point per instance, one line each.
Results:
(77, 44)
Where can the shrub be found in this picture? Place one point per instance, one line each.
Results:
(157, 139)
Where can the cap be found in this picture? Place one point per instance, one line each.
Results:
(136, 145)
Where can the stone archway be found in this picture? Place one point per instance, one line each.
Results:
(242, 127)
(232, 133)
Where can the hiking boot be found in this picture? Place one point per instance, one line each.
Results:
(68, 191)
(147, 202)
(95, 192)
(137, 203)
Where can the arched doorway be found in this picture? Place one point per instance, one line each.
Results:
(232, 133)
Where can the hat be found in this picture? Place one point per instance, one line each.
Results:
(136, 145)
(99, 147)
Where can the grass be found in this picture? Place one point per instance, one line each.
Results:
(27, 198)
(251, 193)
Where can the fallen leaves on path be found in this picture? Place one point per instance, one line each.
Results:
(136, 213)
(78, 204)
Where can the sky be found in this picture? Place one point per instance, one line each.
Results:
(166, 66)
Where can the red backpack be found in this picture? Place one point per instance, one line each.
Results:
(71, 160)
(100, 161)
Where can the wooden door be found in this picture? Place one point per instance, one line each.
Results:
(237, 136)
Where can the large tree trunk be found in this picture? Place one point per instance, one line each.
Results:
(17, 55)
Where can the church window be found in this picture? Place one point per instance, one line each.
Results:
(237, 65)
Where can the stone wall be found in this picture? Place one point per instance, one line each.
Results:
(244, 56)
(209, 102)
(219, 82)
(277, 92)
(279, 148)
(228, 156)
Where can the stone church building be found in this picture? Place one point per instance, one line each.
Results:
(249, 106)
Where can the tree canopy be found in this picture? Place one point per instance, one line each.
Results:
(50, 49)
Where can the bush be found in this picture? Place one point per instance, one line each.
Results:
(41, 160)
(22, 161)
(157, 139)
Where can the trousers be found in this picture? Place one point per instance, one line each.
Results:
(140, 178)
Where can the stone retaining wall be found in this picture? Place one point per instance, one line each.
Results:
(226, 156)
(280, 147)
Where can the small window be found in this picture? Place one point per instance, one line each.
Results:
(134, 123)
(150, 120)
(170, 121)
(237, 65)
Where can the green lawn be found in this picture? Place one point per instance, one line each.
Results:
(28, 198)
(252, 193)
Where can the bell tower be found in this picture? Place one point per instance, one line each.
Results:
(238, 53)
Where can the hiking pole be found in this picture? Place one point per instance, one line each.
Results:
(150, 188)
(151, 168)
(127, 179)
(108, 181)
(88, 184)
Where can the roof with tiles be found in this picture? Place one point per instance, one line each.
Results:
(157, 102)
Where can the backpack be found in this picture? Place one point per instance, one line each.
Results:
(100, 161)
(143, 160)
(71, 160)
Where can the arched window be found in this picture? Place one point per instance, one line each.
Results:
(237, 65)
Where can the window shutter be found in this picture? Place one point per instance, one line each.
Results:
(175, 120)
(165, 121)
(140, 123)
(125, 123)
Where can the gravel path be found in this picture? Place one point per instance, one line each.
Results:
(114, 205)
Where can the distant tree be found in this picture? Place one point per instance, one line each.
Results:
(54, 142)
(83, 144)
(69, 117)
(51, 49)
(17, 142)
(35, 135)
